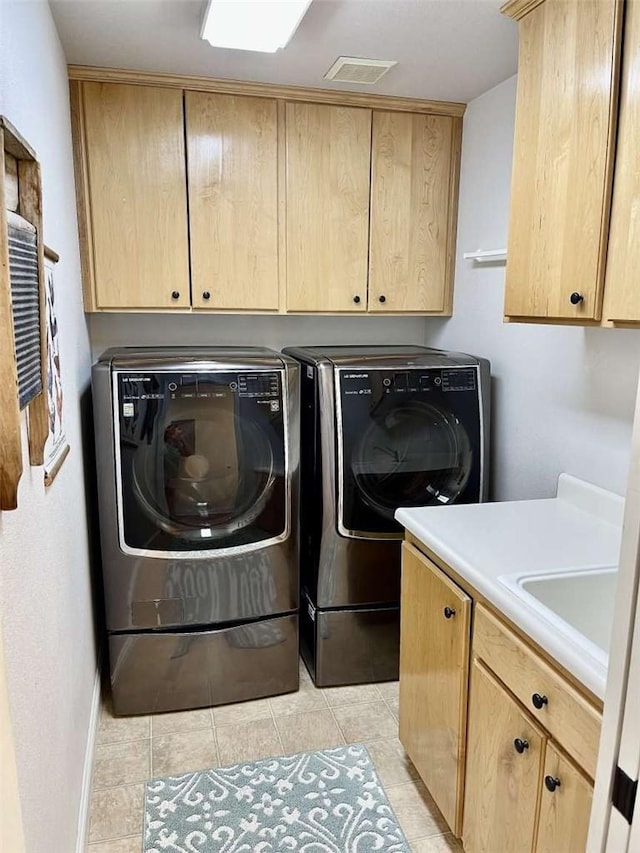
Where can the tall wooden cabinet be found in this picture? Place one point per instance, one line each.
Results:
(232, 166)
(328, 164)
(574, 232)
(434, 654)
(622, 293)
(563, 157)
(132, 157)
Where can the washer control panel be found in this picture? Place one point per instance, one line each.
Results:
(263, 387)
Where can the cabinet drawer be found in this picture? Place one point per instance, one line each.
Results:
(564, 712)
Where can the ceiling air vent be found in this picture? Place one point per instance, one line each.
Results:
(350, 69)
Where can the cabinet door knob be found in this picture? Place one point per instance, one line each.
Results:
(449, 612)
(539, 701)
(520, 745)
(206, 294)
(382, 298)
(576, 298)
(551, 782)
(356, 299)
(175, 294)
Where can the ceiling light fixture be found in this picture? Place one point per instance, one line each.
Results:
(264, 25)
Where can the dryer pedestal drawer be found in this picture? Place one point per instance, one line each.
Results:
(169, 671)
(563, 711)
(350, 646)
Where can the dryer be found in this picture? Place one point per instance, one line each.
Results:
(381, 427)
(197, 457)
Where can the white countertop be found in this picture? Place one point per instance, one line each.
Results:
(579, 529)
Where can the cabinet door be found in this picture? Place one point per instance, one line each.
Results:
(232, 149)
(565, 808)
(502, 783)
(435, 618)
(622, 294)
(134, 147)
(562, 167)
(414, 171)
(327, 198)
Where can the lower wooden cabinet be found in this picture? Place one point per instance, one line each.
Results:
(508, 775)
(434, 660)
(504, 762)
(565, 806)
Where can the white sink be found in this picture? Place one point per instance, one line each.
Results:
(577, 604)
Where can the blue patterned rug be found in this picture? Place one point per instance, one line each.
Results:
(330, 801)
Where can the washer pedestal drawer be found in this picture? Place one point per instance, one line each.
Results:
(169, 671)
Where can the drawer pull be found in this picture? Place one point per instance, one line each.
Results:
(175, 294)
(356, 299)
(449, 612)
(539, 701)
(551, 782)
(206, 294)
(520, 745)
(576, 298)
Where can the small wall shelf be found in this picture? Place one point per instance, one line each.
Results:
(493, 256)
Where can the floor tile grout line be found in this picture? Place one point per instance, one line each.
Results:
(215, 743)
(116, 742)
(183, 731)
(122, 784)
(339, 727)
(275, 725)
(151, 776)
(109, 840)
(432, 838)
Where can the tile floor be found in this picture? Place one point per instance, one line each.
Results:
(131, 750)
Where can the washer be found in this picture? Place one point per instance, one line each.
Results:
(197, 455)
(381, 427)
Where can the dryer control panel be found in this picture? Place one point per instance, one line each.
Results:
(412, 381)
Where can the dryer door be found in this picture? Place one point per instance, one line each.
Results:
(200, 461)
(408, 438)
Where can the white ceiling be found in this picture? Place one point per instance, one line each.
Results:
(446, 49)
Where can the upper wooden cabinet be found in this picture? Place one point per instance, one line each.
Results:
(434, 661)
(622, 293)
(414, 185)
(132, 187)
(562, 170)
(328, 166)
(232, 156)
(223, 196)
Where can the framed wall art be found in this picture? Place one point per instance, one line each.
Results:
(56, 448)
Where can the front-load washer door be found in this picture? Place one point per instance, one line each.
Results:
(405, 438)
(200, 461)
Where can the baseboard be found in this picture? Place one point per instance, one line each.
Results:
(85, 796)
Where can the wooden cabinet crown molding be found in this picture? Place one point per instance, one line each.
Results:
(517, 9)
(87, 73)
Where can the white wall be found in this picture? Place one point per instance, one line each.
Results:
(45, 600)
(109, 330)
(563, 396)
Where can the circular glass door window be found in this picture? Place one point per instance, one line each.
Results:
(415, 454)
(206, 474)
